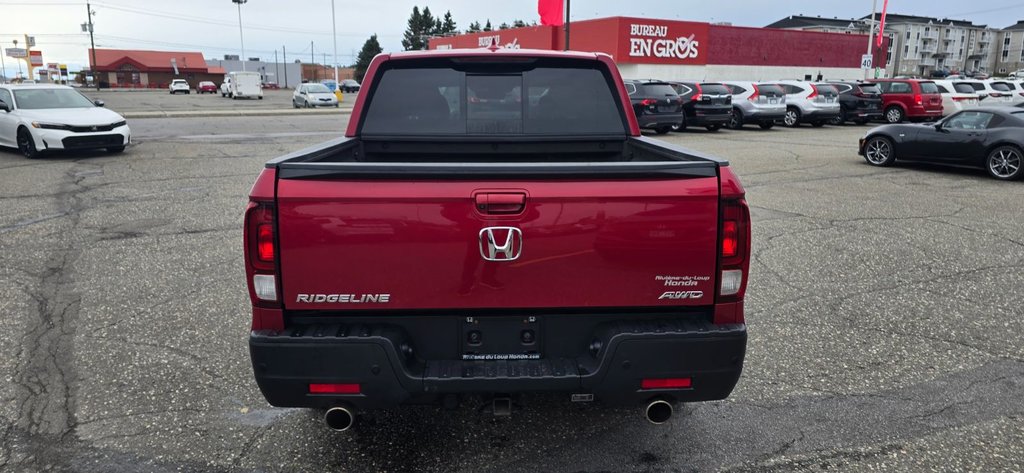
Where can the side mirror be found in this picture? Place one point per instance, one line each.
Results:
(4, 106)
(99, 103)
(938, 126)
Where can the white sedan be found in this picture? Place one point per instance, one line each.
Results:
(41, 118)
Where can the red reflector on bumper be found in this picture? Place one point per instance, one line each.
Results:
(665, 383)
(333, 388)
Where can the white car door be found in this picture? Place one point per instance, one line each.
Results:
(8, 121)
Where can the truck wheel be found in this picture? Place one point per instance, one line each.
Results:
(766, 125)
(878, 151)
(792, 117)
(661, 130)
(736, 119)
(894, 114)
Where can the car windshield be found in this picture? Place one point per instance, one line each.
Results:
(317, 89)
(714, 89)
(770, 89)
(36, 99)
(658, 90)
(929, 88)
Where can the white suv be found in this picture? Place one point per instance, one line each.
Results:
(816, 104)
(179, 85)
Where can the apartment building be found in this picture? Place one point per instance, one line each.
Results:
(1010, 42)
(918, 45)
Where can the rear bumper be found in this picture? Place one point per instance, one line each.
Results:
(700, 119)
(659, 120)
(382, 360)
(759, 115)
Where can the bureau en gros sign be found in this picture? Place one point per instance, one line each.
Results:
(653, 41)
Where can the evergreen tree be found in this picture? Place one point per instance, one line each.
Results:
(413, 39)
(487, 27)
(448, 25)
(370, 49)
(429, 25)
(503, 26)
(518, 24)
(474, 27)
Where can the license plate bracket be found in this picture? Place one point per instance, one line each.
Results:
(501, 338)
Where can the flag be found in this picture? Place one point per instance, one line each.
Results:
(881, 24)
(551, 12)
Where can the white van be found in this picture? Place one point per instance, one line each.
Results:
(241, 85)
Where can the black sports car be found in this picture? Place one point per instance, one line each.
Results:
(988, 137)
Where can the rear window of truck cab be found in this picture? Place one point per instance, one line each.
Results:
(539, 97)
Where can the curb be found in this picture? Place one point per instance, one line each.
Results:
(233, 113)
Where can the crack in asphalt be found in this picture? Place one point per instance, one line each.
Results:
(45, 378)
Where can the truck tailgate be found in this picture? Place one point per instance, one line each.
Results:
(377, 245)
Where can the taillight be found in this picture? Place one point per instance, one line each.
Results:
(814, 92)
(261, 253)
(734, 248)
(698, 96)
(918, 99)
(648, 102)
(757, 93)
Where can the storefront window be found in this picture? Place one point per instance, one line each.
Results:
(127, 74)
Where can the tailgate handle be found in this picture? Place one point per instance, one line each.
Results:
(501, 203)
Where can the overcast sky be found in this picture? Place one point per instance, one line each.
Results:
(211, 26)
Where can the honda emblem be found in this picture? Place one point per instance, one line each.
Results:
(501, 243)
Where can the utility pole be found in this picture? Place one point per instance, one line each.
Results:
(277, 78)
(871, 37)
(241, 38)
(19, 62)
(312, 60)
(284, 52)
(92, 42)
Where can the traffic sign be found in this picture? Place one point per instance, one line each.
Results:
(18, 53)
(865, 61)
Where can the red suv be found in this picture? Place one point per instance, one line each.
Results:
(916, 100)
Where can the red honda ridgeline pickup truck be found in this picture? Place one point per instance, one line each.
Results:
(493, 223)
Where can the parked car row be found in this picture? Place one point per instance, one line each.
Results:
(665, 106)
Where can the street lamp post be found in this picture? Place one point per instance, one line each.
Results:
(241, 37)
(334, 28)
(19, 61)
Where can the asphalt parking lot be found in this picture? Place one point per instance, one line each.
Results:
(136, 104)
(885, 313)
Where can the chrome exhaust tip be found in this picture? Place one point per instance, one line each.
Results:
(658, 411)
(339, 419)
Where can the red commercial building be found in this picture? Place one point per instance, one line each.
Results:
(670, 50)
(129, 68)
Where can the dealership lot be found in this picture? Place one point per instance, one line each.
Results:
(884, 312)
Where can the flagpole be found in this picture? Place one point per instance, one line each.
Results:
(567, 24)
(871, 37)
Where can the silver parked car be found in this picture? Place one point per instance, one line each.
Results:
(313, 95)
(752, 102)
(816, 104)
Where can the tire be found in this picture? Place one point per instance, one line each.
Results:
(879, 151)
(661, 130)
(26, 144)
(713, 127)
(766, 125)
(337, 105)
(308, 105)
(894, 115)
(792, 119)
(261, 97)
(818, 124)
(222, 94)
(1005, 163)
(295, 104)
(735, 120)
(841, 119)
(115, 150)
